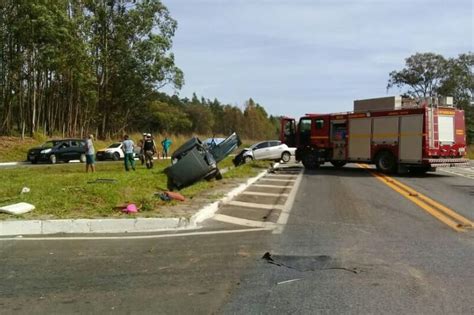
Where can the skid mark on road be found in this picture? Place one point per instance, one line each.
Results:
(444, 214)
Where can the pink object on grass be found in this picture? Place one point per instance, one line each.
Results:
(131, 208)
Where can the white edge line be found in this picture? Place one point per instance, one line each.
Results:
(91, 238)
(285, 213)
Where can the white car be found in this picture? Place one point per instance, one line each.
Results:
(265, 150)
(114, 152)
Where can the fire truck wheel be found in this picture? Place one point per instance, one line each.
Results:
(310, 161)
(338, 164)
(385, 162)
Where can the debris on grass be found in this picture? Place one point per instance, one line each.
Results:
(73, 188)
(25, 190)
(169, 195)
(103, 180)
(130, 208)
(17, 208)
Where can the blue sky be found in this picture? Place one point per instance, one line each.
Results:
(301, 56)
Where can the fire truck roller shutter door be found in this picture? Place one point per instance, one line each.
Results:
(385, 130)
(360, 138)
(411, 135)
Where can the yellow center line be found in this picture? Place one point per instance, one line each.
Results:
(437, 210)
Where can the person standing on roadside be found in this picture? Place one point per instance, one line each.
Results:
(127, 147)
(142, 152)
(90, 151)
(149, 149)
(166, 143)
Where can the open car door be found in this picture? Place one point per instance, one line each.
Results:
(288, 131)
(223, 149)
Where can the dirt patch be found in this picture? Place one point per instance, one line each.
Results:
(10, 143)
(189, 207)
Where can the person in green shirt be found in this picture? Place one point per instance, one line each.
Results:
(166, 143)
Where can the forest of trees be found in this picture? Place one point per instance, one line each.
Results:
(203, 116)
(73, 67)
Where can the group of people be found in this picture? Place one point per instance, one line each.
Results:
(147, 151)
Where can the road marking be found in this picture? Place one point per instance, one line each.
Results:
(256, 193)
(132, 237)
(458, 173)
(254, 205)
(280, 175)
(240, 221)
(277, 180)
(288, 206)
(448, 216)
(270, 186)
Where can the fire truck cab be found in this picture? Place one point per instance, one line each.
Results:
(393, 133)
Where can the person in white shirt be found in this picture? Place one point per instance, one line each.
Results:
(127, 147)
(90, 158)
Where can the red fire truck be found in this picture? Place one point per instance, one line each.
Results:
(394, 133)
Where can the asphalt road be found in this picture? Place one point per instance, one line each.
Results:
(351, 245)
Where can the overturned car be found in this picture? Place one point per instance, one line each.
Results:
(194, 161)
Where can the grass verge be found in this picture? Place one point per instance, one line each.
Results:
(66, 191)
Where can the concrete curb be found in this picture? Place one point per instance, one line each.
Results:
(135, 225)
(42, 227)
(13, 163)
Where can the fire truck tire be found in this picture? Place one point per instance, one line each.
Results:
(310, 161)
(338, 164)
(386, 162)
(285, 157)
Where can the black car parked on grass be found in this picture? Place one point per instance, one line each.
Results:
(54, 151)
